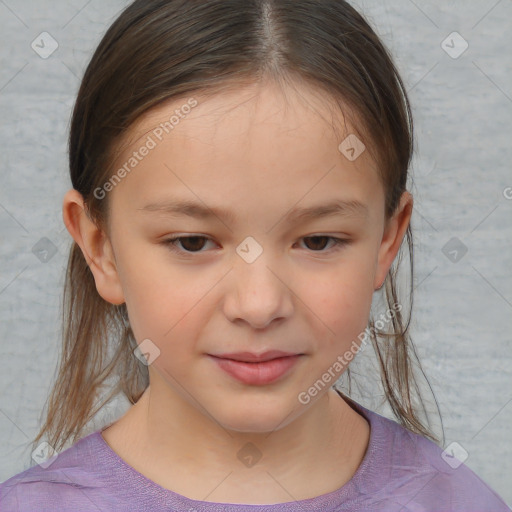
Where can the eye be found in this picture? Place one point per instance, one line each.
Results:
(194, 244)
(191, 244)
(319, 240)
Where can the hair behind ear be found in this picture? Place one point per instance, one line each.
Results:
(85, 362)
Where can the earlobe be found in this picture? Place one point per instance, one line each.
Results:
(95, 246)
(394, 233)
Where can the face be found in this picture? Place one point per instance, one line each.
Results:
(249, 273)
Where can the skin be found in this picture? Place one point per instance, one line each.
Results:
(258, 152)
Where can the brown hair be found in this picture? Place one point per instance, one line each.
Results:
(159, 50)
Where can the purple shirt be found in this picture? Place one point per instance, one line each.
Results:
(401, 471)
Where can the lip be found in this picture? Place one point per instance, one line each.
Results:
(250, 357)
(263, 369)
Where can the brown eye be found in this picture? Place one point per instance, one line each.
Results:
(195, 244)
(319, 243)
(190, 244)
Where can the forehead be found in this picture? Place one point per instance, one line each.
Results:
(282, 143)
(296, 107)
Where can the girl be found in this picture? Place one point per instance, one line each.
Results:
(239, 176)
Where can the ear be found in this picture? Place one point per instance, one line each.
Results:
(95, 246)
(394, 232)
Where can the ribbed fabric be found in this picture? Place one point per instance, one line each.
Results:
(401, 472)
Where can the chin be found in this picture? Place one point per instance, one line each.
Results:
(254, 418)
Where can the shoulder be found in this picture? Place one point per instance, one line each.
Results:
(414, 474)
(70, 481)
(449, 481)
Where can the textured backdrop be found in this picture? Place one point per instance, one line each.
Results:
(456, 61)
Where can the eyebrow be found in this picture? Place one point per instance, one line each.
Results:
(339, 207)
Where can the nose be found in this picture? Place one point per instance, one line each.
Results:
(258, 293)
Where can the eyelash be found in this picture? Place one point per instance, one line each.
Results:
(339, 243)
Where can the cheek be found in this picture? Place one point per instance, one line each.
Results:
(340, 303)
(158, 296)
(171, 320)
(170, 305)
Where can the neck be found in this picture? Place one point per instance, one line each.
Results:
(182, 449)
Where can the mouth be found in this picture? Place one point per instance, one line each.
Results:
(256, 369)
(250, 357)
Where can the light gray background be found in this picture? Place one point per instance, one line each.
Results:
(461, 183)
